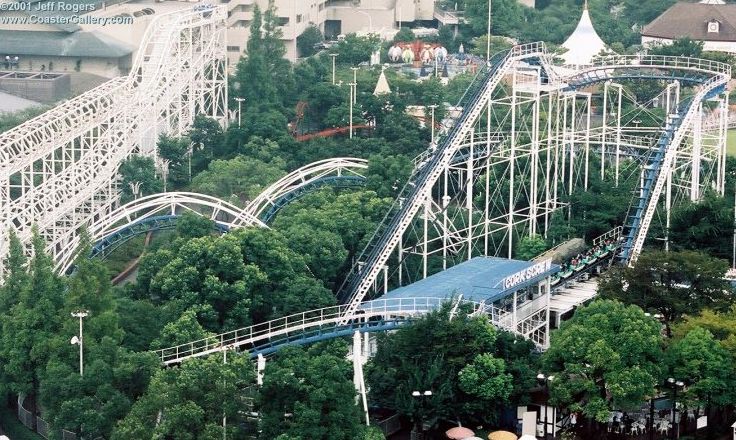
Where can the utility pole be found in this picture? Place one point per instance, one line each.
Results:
(333, 55)
(355, 81)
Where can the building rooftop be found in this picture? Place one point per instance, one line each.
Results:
(80, 44)
(692, 19)
(480, 279)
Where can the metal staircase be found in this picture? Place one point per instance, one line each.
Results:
(388, 234)
(658, 168)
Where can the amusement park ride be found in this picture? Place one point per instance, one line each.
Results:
(527, 138)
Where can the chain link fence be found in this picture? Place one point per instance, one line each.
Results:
(37, 424)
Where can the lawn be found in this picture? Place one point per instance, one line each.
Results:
(731, 142)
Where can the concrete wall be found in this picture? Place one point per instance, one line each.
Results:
(106, 67)
(46, 88)
(716, 46)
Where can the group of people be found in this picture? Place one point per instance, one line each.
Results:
(583, 259)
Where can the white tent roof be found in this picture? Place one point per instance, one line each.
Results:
(382, 86)
(584, 43)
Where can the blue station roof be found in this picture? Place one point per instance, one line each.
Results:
(480, 279)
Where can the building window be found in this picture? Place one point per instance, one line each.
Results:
(299, 18)
(713, 27)
(233, 48)
(283, 21)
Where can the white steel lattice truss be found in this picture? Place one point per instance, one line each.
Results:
(304, 176)
(59, 171)
(522, 145)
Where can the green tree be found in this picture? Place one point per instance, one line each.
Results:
(486, 379)
(671, 284)
(404, 35)
(139, 170)
(683, 47)
(174, 150)
(307, 42)
(530, 247)
(447, 368)
(606, 357)
(30, 326)
(114, 377)
(189, 402)
(239, 179)
(191, 225)
(702, 225)
(700, 360)
(354, 50)
(207, 136)
(310, 395)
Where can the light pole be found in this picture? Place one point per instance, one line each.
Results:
(351, 109)
(733, 252)
(432, 107)
(419, 428)
(488, 43)
(165, 170)
(333, 55)
(675, 385)
(79, 340)
(355, 81)
(544, 381)
(240, 107)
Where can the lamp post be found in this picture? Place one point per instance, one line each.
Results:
(165, 170)
(240, 107)
(333, 55)
(733, 252)
(419, 428)
(370, 20)
(351, 109)
(544, 381)
(488, 43)
(432, 107)
(79, 340)
(675, 385)
(355, 81)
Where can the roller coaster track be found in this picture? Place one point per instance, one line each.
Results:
(710, 75)
(314, 325)
(411, 198)
(58, 171)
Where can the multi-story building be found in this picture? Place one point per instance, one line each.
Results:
(108, 50)
(333, 17)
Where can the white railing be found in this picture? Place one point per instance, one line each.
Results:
(671, 62)
(300, 322)
(613, 234)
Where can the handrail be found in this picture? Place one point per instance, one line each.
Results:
(666, 61)
(397, 307)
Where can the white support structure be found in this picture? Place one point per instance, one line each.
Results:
(523, 144)
(304, 176)
(58, 171)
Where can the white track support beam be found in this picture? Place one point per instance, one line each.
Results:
(59, 170)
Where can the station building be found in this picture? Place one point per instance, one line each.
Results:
(515, 294)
